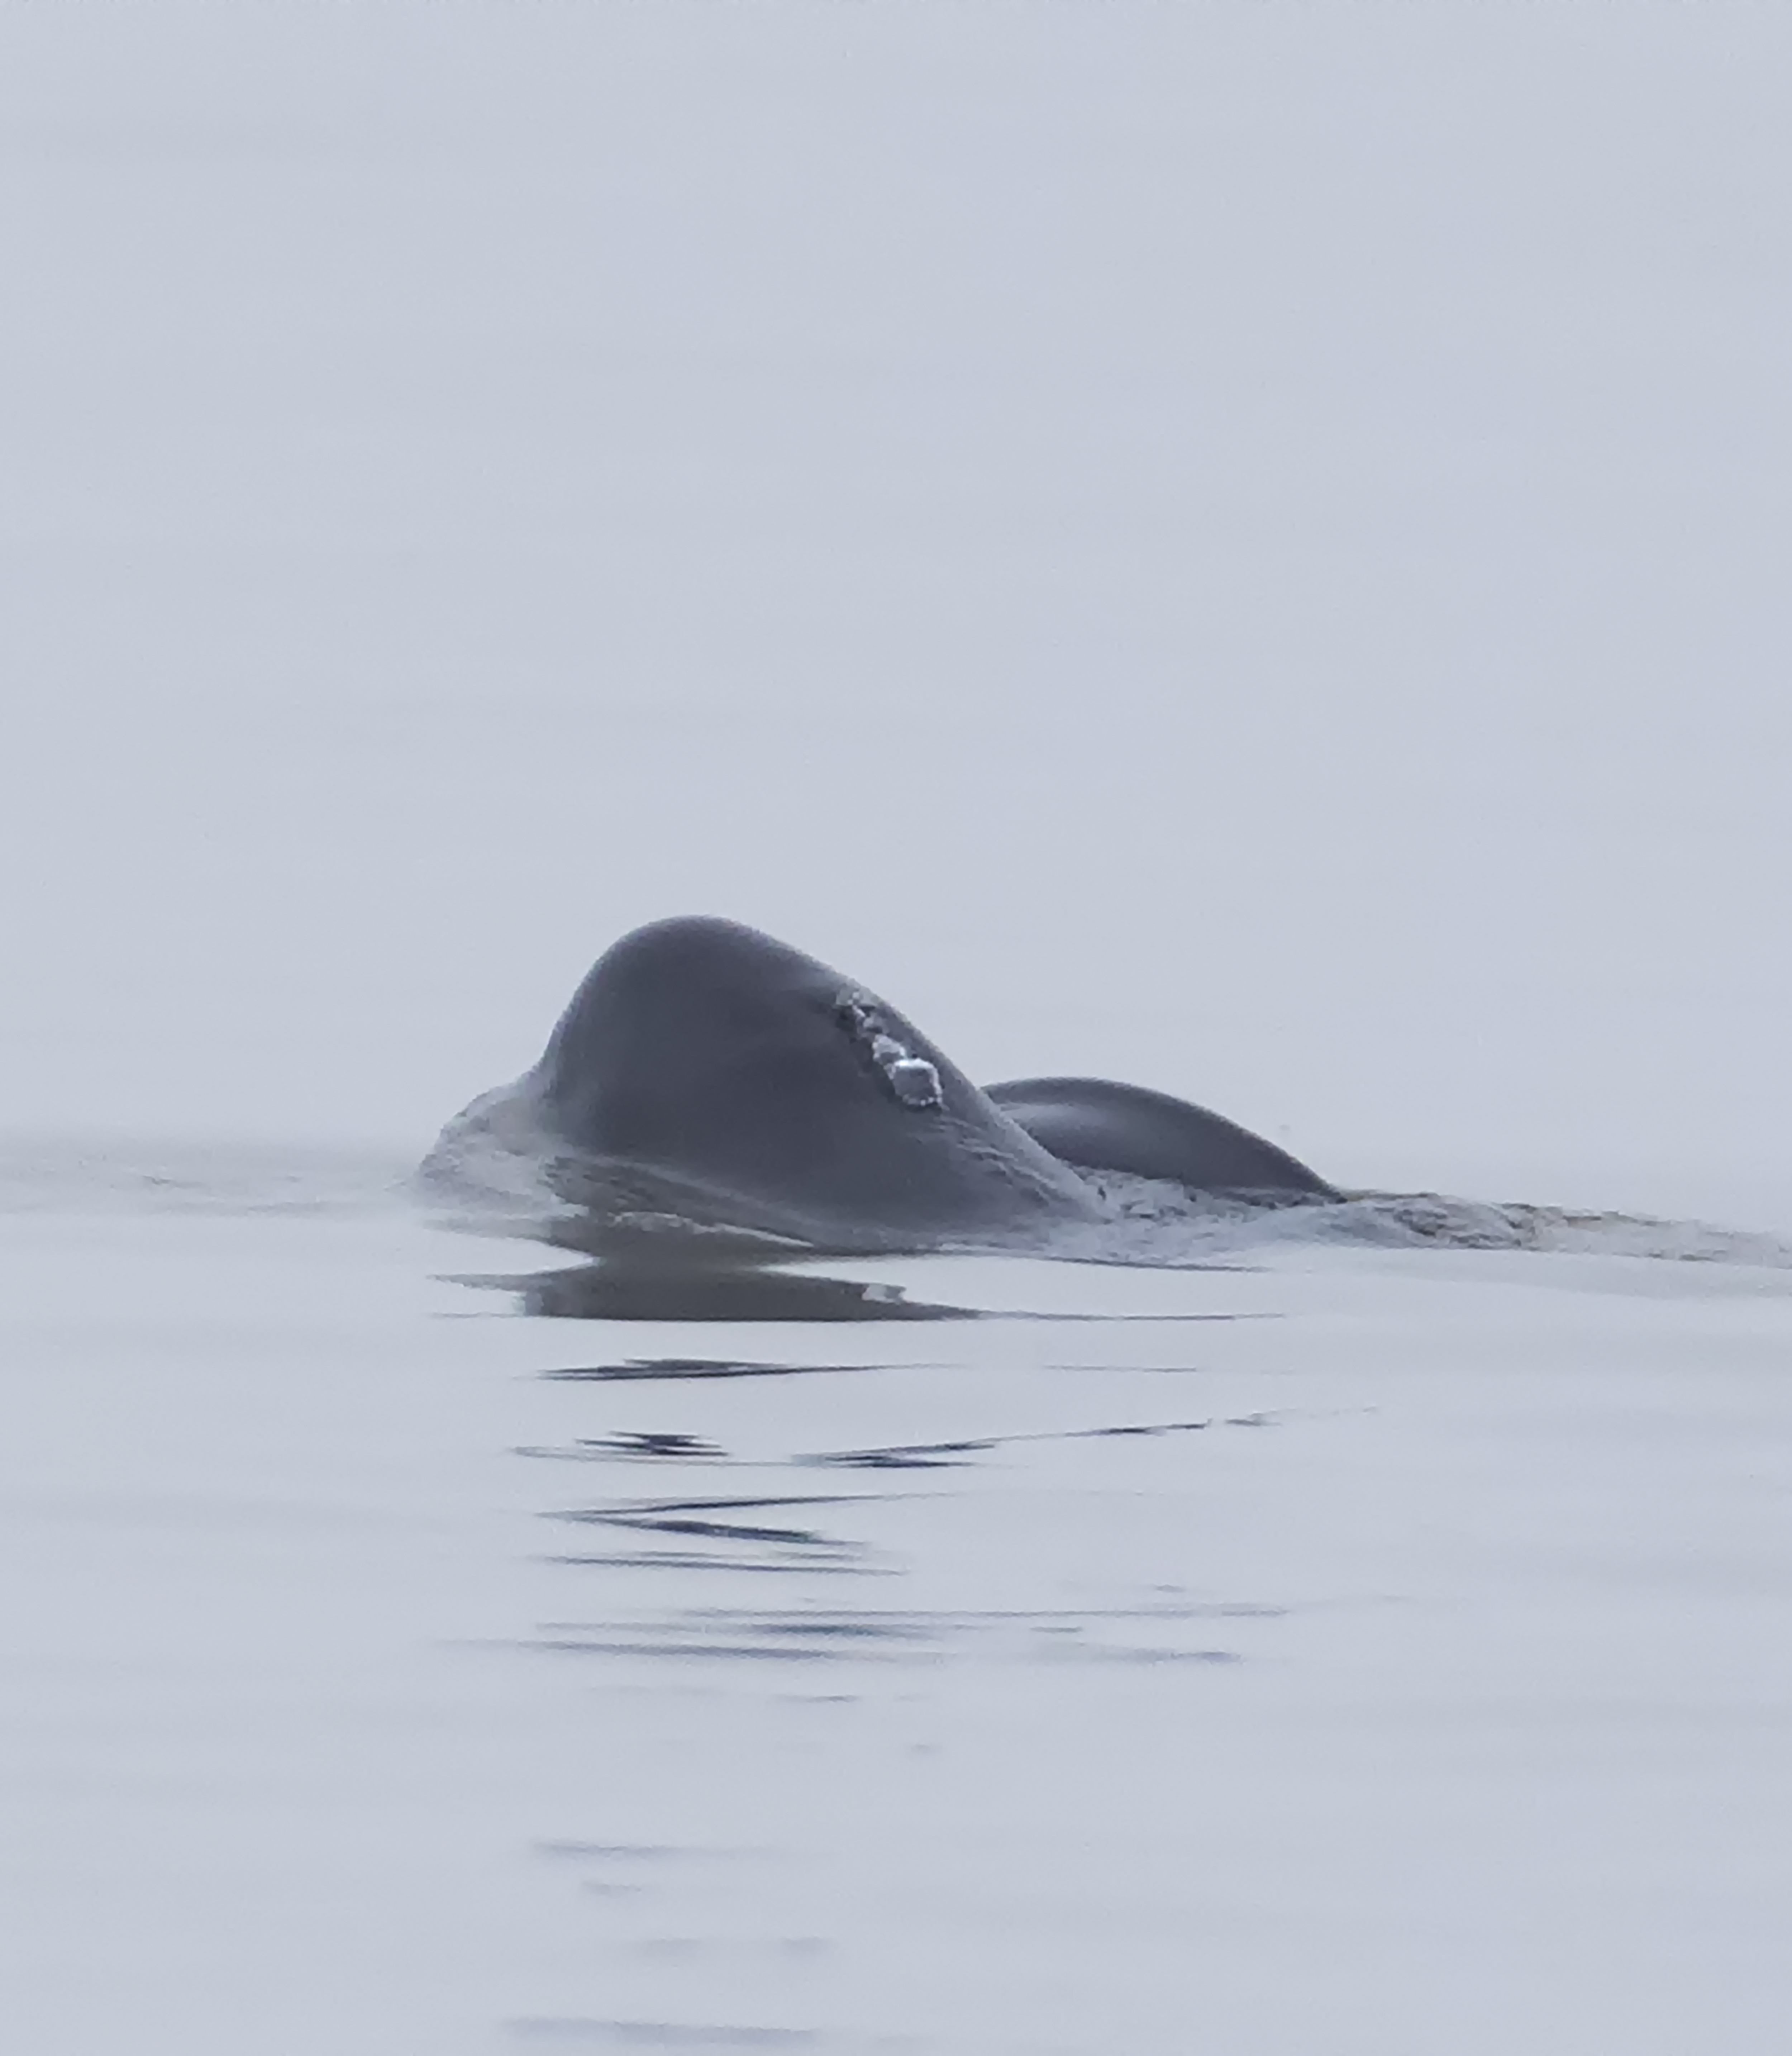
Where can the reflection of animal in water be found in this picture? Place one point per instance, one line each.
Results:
(704, 1073)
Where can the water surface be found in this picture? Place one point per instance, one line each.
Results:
(1342, 1647)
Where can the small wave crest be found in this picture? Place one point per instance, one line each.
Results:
(1152, 1223)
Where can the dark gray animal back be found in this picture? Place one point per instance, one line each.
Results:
(713, 1052)
(1106, 1127)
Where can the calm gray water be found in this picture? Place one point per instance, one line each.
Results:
(1349, 1649)
(1241, 548)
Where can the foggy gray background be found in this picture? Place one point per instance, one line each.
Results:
(1242, 547)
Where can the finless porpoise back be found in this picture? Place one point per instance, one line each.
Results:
(706, 1072)
(1101, 1126)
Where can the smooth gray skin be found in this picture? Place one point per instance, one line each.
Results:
(705, 1069)
(1106, 1127)
(704, 1073)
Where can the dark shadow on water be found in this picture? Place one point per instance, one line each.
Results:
(661, 2035)
(810, 1566)
(754, 1529)
(675, 1444)
(694, 1291)
(1171, 1632)
(635, 1444)
(676, 1369)
(690, 1516)
(936, 1456)
(687, 1290)
(768, 1544)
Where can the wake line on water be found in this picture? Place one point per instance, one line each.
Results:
(491, 1181)
(1146, 1224)
(1165, 1228)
